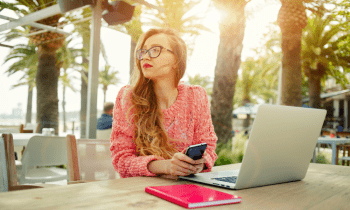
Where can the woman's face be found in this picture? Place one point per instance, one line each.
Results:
(163, 66)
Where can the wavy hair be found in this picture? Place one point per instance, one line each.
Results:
(150, 136)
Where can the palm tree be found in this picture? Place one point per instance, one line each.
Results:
(107, 77)
(47, 71)
(26, 61)
(232, 26)
(259, 77)
(66, 57)
(176, 17)
(83, 30)
(250, 80)
(320, 58)
(291, 19)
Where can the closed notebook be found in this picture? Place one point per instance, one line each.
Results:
(192, 196)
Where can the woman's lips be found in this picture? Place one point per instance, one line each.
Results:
(146, 65)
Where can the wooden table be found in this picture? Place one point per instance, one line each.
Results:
(333, 142)
(324, 187)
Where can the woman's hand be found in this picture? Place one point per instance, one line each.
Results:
(201, 165)
(182, 165)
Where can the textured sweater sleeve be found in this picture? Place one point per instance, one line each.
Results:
(123, 150)
(204, 129)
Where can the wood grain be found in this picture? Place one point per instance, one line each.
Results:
(10, 160)
(324, 187)
(73, 165)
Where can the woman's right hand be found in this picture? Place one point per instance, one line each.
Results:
(181, 165)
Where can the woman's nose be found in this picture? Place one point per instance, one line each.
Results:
(146, 56)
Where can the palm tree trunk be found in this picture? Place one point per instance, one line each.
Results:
(315, 86)
(245, 101)
(291, 19)
(315, 91)
(132, 57)
(228, 60)
(246, 121)
(83, 101)
(47, 83)
(29, 105)
(85, 34)
(64, 106)
(291, 65)
(104, 94)
(84, 89)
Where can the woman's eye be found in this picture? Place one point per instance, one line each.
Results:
(155, 50)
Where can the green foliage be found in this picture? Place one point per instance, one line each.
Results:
(321, 158)
(107, 77)
(26, 60)
(227, 155)
(259, 75)
(176, 16)
(319, 49)
(11, 6)
(132, 27)
(205, 82)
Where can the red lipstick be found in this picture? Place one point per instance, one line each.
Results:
(146, 65)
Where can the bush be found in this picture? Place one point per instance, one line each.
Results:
(228, 156)
(321, 158)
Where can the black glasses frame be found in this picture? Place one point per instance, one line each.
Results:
(148, 51)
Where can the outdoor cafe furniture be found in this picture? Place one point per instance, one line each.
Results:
(29, 128)
(9, 130)
(41, 152)
(345, 158)
(22, 139)
(104, 134)
(324, 187)
(333, 142)
(9, 174)
(89, 160)
(343, 134)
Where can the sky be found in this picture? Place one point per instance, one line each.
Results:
(117, 44)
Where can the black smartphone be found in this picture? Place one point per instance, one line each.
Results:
(196, 151)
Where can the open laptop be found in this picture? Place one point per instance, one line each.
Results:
(280, 147)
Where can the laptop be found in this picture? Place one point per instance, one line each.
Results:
(280, 147)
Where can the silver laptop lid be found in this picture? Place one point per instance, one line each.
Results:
(280, 146)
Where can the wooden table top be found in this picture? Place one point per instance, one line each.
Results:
(324, 187)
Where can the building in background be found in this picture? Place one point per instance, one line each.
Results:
(336, 101)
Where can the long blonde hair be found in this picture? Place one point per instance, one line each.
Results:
(150, 136)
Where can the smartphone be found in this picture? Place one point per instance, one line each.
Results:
(196, 151)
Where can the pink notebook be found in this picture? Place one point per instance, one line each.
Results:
(192, 196)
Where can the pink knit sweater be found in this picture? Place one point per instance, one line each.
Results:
(187, 119)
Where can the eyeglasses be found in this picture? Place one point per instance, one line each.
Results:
(153, 52)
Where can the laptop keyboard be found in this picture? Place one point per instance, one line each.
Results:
(230, 179)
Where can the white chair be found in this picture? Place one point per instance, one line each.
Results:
(8, 173)
(89, 160)
(3, 168)
(44, 151)
(104, 134)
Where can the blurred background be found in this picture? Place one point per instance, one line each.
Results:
(316, 61)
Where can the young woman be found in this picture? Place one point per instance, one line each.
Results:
(157, 117)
